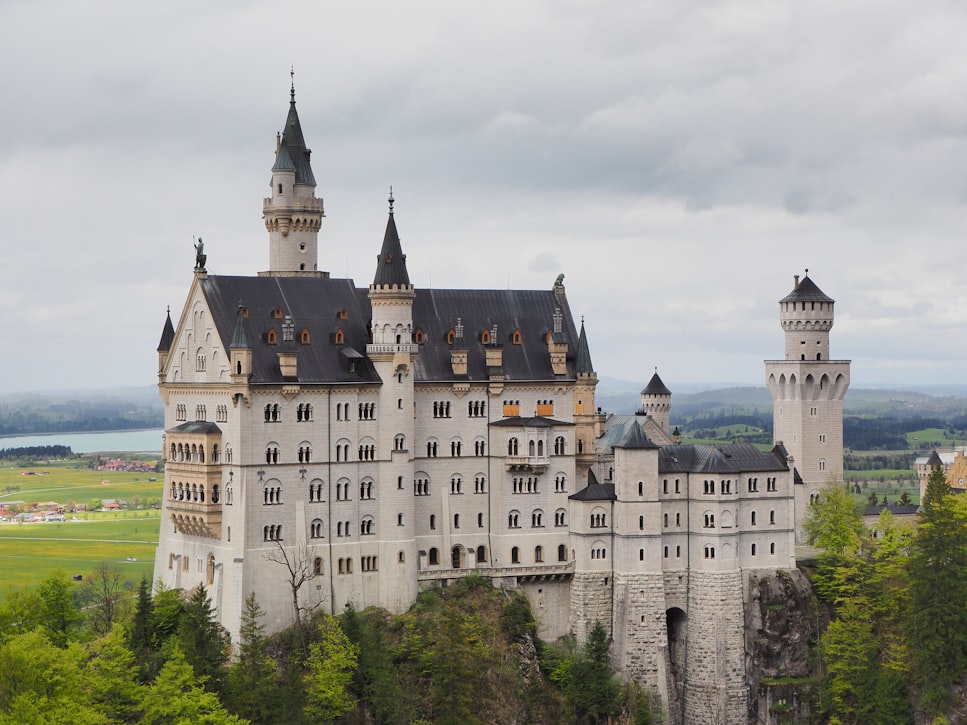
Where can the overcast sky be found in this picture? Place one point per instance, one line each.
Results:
(679, 162)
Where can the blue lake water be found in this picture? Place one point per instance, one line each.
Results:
(127, 441)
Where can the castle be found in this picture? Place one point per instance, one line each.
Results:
(327, 445)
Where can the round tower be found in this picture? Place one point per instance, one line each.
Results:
(806, 316)
(656, 401)
(293, 215)
(807, 389)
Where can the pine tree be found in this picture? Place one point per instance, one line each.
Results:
(253, 686)
(203, 641)
(938, 578)
(331, 663)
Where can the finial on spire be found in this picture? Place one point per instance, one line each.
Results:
(807, 271)
(391, 200)
(292, 86)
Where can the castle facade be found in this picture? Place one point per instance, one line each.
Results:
(329, 445)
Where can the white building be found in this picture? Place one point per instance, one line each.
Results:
(378, 440)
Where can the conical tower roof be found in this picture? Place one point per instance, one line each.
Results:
(391, 264)
(167, 335)
(806, 291)
(583, 361)
(656, 386)
(292, 153)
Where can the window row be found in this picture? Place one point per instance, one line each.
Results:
(194, 492)
(537, 519)
(456, 448)
(538, 554)
(193, 453)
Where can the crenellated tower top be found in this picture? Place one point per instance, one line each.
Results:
(806, 316)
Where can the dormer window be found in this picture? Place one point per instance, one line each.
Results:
(277, 313)
(304, 336)
(419, 337)
(451, 336)
(485, 337)
(517, 338)
(271, 337)
(343, 314)
(245, 312)
(340, 337)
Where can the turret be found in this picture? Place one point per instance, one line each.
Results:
(164, 346)
(656, 401)
(293, 215)
(806, 316)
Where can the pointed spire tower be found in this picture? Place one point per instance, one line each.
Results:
(807, 391)
(293, 215)
(391, 296)
(656, 401)
(164, 346)
(588, 423)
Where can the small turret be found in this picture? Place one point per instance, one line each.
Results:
(806, 316)
(656, 401)
(164, 347)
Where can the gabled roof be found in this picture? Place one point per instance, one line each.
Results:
(391, 264)
(806, 291)
(167, 335)
(728, 458)
(656, 386)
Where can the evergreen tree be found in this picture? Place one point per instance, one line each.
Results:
(253, 686)
(938, 579)
(203, 641)
(177, 697)
(331, 663)
(58, 612)
(112, 679)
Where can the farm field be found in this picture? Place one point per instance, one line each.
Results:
(29, 553)
(72, 481)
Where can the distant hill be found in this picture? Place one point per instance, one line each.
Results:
(91, 410)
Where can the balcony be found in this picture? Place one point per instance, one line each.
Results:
(196, 519)
(530, 572)
(538, 464)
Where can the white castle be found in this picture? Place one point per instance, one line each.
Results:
(328, 445)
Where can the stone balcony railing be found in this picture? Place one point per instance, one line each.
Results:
(527, 463)
(434, 573)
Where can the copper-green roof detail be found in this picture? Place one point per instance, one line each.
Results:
(656, 387)
(294, 145)
(391, 264)
(167, 335)
(239, 336)
(807, 291)
(583, 361)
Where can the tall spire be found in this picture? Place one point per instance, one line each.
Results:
(391, 264)
(583, 361)
(167, 335)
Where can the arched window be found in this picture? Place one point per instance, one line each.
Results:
(315, 529)
(434, 557)
(515, 555)
(317, 566)
(561, 552)
(538, 554)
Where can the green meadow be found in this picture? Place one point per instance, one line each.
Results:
(31, 552)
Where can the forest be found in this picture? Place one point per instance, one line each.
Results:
(96, 653)
(897, 641)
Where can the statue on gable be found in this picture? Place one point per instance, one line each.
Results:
(200, 256)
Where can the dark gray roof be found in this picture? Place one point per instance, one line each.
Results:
(806, 291)
(316, 305)
(727, 458)
(594, 491)
(935, 461)
(583, 358)
(167, 335)
(533, 422)
(294, 147)
(196, 426)
(634, 437)
(436, 312)
(656, 387)
(391, 263)
(239, 337)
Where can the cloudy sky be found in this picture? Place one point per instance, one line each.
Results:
(678, 161)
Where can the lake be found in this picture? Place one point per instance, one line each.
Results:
(122, 441)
